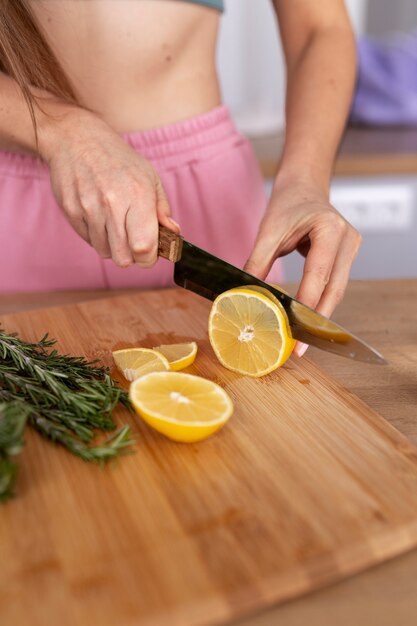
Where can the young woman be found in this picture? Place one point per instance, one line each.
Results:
(131, 131)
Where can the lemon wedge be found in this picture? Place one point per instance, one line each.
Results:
(181, 406)
(249, 331)
(135, 362)
(179, 355)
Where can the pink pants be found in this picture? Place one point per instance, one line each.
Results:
(212, 182)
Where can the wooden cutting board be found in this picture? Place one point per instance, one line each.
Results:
(305, 485)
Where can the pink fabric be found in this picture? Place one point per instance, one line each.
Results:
(211, 179)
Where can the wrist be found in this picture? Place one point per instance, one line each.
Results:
(58, 122)
(303, 164)
(303, 181)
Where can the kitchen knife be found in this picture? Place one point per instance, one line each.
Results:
(208, 276)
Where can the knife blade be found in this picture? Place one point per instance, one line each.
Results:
(208, 276)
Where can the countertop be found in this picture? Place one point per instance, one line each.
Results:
(384, 314)
(364, 151)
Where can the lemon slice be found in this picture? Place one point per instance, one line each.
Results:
(181, 406)
(323, 328)
(179, 355)
(279, 288)
(249, 331)
(135, 362)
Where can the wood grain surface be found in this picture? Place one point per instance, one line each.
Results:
(304, 486)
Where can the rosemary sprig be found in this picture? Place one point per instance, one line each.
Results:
(12, 424)
(63, 397)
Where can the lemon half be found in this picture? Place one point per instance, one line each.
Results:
(181, 406)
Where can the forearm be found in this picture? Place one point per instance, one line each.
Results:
(319, 90)
(320, 52)
(16, 125)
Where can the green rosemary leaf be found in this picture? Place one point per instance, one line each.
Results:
(8, 472)
(12, 424)
(110, 448)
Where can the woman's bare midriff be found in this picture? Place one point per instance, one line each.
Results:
(138, 63)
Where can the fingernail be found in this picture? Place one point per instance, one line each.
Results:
(300, 349)
(174, 223)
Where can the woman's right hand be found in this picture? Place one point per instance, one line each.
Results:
(112, 197)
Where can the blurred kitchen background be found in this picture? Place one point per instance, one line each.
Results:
(375, 182)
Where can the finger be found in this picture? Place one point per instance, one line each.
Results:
(317, 270)
(318, 266)
(74, 214)
(339, 278)
(300, 349)
(97, 233)
(142, 234)
(338, 281)
(117, 238)
(80, 226)
(264, 252)
(163, 209)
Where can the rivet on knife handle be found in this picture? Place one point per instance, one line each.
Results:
(170, 245)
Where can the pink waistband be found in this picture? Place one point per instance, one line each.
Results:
(170, 145)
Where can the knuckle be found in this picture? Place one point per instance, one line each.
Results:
(144, 247)
(70, 208)
(358, 238)
(89, 204)
(109, 198)
(144, 193)
(338, 224)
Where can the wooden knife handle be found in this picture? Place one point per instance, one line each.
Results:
(170, 244)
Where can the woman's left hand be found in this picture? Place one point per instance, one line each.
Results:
(300, 217)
